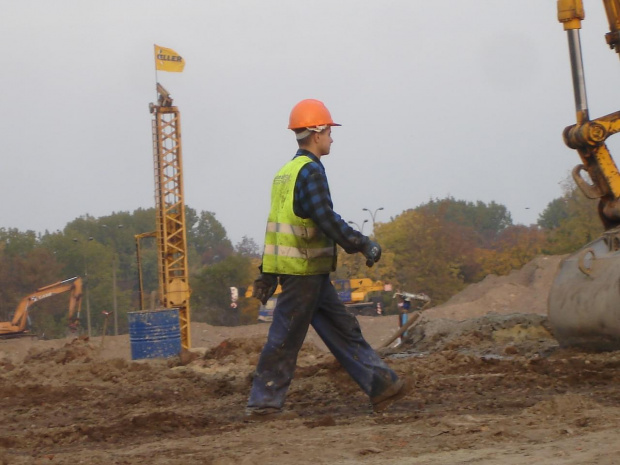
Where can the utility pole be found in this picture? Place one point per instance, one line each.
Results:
(114, 300)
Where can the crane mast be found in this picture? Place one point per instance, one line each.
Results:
(174, 290)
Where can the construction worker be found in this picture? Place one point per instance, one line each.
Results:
(404, 305)
(300, 252)
(403, 314)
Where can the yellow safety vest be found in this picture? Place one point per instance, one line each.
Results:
(294, 245)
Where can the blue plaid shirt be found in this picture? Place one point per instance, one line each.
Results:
(313, 200)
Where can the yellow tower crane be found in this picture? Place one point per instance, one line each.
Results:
(174, 290)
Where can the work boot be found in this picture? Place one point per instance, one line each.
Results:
(395, 392)
(261, 414)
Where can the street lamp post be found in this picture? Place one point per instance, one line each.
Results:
(114, 301)
(85, 244)
(358, 226)
(373, 215)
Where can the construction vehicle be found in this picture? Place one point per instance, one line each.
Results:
(17, 326)
(173, 272)
(584, 302)
(359, 295)
(423, 299)
(249, 290)
(362, 296)
(265, 312)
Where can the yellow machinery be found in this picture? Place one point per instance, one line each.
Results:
(362, 287)
(170, 234)
(17, 326)
(584, 301)
(357, 294)
(248, 291)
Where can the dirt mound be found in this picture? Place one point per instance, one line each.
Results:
(563, 405)
(499, 316)
(234, 349)
(246, 350)
(522, 291)
(491, 386)
(489, 335)
(78, 350)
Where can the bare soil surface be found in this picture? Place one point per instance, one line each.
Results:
(491, 386)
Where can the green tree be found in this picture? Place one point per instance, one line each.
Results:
(553, 215)
(487, 220)
(248, 248)
(211, 296)
(209, 239)
(25, 266)
(578, 224)
(102, 250)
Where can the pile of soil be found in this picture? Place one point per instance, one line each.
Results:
(491, 386)
(522, 291)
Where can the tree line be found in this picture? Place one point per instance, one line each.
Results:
(437, 248)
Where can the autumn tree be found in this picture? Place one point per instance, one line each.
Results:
(428, 253)
(514, 247)
(571, 221)
(26, 266)
(486, 220)
(350, 266)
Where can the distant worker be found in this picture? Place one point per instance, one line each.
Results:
(300, 252)
(403, 315)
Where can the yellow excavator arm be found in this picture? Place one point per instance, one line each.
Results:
(612, 7)
(584, 303)
(18, 323)
(588, 136)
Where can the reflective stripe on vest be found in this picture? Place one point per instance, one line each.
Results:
(294, 245)
(294, 252)
(290, 229)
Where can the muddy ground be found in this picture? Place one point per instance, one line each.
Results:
(491, 386)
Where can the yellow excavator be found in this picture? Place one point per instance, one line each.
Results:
(584, 301)
(17, 326)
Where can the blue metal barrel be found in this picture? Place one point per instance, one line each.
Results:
(154, 333)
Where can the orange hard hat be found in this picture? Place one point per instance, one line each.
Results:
(310, 113)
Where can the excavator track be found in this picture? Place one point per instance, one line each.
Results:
(18, 336)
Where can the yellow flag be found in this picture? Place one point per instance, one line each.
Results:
(167, 59)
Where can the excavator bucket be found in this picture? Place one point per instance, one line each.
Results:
(584, 300)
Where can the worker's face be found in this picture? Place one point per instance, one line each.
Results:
(324, 141)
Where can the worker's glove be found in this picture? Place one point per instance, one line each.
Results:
(264, 286)
(372, 252)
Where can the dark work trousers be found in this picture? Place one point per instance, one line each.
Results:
(312, 300)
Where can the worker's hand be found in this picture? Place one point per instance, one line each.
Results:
(264, 286)
(372, 252)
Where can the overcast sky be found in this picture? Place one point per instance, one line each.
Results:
(453, 98)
